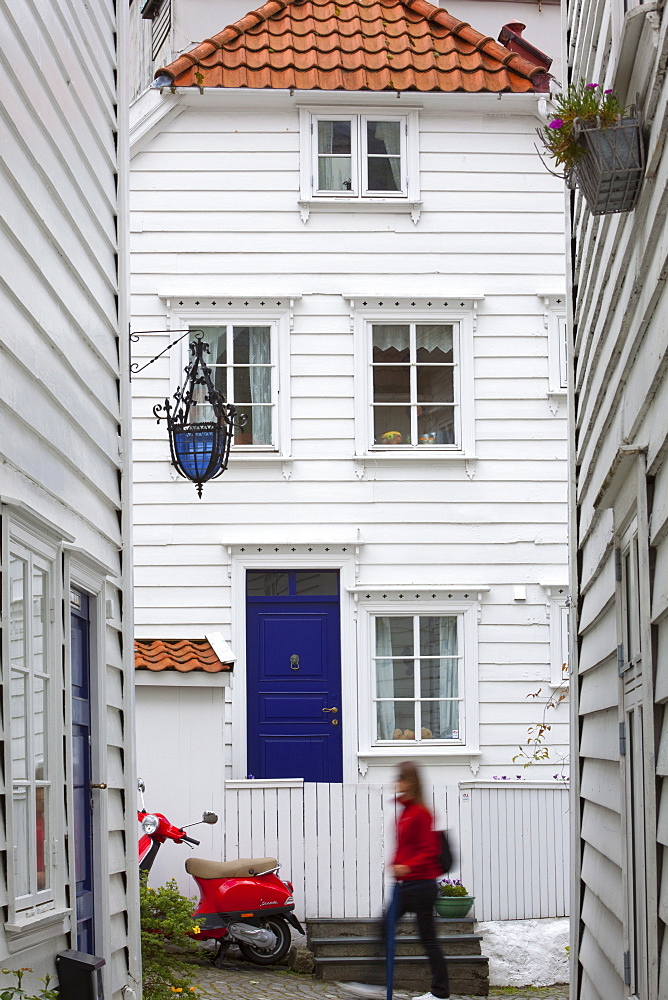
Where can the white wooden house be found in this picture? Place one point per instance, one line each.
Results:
(68, 880)
(357, 220)
(619, 552)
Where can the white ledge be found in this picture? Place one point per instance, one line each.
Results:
(428, 453)
(389, 205)
(34, 922)
(395, 588)
(424, 751)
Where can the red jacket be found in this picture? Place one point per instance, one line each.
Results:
(417, 843)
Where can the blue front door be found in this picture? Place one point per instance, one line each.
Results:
(293, 654)
(82, 812)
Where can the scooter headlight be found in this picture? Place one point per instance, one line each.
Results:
(150, 824)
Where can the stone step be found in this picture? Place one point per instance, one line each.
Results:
(354, 926)
(406, 944)
(468, 974)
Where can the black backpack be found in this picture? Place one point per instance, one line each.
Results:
(444, 853)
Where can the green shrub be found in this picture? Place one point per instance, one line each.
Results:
(18, 993)
(452, 887)
(166, 925)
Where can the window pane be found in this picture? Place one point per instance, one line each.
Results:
(391, 344)
(392, 425)
(17, 631)
(436, 425)
(334, 137)
(262, 583)
(438, 635)
(394, 636)
(42, 837)
(384, 137)
(216, 338)
(252, 385)
(335, 173)
(19, 709)
(435, 384)
(440, 720)
(251, 345)
(21, 829)
(40, 727)
(434, 343)
(384, 173)
(395, 720)
(395, 678)
(257, 429)
(439, 678)
(321, 583)
(39, 632)
(391, 384)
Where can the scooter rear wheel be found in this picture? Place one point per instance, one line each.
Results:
(269, 956)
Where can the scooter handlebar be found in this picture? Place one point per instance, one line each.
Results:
(190, 840)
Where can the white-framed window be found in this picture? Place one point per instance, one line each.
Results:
(414, 371)
(557, 344)
(422, 677)
(249, 360)
(32, 696)
(559, 611)
(355, 157)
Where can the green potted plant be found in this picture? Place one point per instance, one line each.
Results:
(598, 145)
(453, 899)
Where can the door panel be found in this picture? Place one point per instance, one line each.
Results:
(294, 679)
(81, 775)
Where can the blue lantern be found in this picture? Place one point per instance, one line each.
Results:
(200, 448)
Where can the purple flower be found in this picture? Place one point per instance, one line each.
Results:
(607, 91)
(591, 86)
(556, 123)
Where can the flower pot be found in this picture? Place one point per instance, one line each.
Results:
(454, 906)
(610, 172)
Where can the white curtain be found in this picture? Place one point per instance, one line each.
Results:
(395, 336)
(449, 676)
(384, 679)
(260, 383)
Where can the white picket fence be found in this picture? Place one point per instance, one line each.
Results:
(334, 842)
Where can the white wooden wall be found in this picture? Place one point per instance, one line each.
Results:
(214, 195)
(620, 351)
(63, 400)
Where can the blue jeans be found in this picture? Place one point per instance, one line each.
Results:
(418, 897)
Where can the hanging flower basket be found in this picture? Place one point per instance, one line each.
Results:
(610, 172)
(598, 145)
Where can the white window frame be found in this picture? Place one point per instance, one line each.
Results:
(408, 198)
(463, 319)
(29, 536)
(559, 614)
(394, 605)
(557, 344)
(248, 312)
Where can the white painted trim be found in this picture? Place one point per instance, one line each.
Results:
(266, 783)
(365, 311)
(369, 748)
(394, 588)
(182, 678)
(346, 564)
(220, 646)
(558, 612)
(149, 114)
(554, 320)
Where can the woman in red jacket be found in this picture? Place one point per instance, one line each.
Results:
(415, 866)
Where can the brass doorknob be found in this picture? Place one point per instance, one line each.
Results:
(330, 709)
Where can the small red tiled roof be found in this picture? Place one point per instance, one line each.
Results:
(354, 45)
(177, 654)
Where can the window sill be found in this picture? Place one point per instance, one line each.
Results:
(399, 205)
(418, 749)
(399, 458)
(26, 924)
(262, 458)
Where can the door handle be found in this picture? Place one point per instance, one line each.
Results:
(330, 709)
(101, 785)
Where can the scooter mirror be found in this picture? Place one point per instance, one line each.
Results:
(209, 817)
(140, 785)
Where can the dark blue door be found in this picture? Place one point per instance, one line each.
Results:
(293, 653)
(81, 773)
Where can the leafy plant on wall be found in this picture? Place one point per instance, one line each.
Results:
(536, 749)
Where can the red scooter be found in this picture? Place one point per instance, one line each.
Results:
(241, 902)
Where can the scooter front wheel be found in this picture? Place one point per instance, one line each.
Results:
(269, 956)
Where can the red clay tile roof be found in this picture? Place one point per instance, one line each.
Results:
(354, 45)
(177, 654)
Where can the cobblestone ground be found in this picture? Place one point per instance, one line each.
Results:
(241, 981)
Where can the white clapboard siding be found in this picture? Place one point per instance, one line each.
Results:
(620, 350)
(64, 400)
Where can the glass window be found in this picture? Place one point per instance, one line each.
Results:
(243, 371)
(335, 164)
(417, 666)
(359, 156)
(30, 718)
(292, 583)
(414, 379)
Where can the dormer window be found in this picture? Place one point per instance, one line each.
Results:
(359, 159)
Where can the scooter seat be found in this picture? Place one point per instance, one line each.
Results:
(241, 868)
